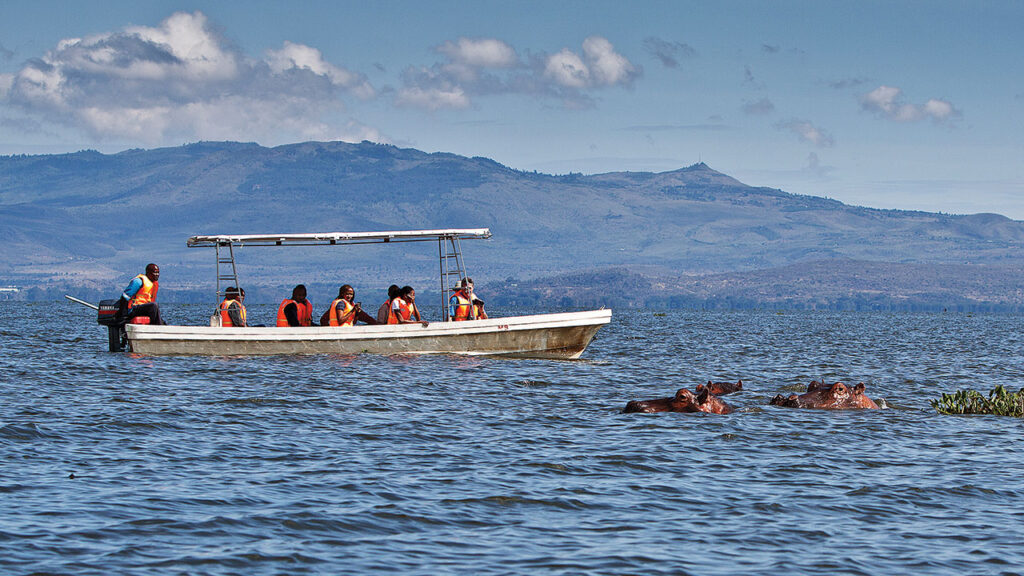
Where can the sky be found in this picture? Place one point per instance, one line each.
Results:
(907, 105)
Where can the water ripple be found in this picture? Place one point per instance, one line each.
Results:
(423, 465)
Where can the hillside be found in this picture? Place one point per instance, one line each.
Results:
(93, 219)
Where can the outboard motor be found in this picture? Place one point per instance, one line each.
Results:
(107, 315)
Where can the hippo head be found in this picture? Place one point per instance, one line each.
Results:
(722, 388)
(838, 396)
(841, 396)
(710, 403)
(683, 401)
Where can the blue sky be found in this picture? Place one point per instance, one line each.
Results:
(910, 105)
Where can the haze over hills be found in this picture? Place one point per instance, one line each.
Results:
(91, 220)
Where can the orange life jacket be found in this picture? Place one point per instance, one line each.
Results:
(404, 310)
(146, 294)
(464, 308)
(225, 316)
(304, 310)
(336, 315)
(392, 318)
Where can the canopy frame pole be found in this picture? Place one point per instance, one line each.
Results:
(450, 248)
(224, 261)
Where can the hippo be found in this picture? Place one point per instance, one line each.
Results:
(684, 401)
(723, 388)
(835, 397)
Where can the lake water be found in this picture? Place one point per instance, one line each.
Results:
(114, 464)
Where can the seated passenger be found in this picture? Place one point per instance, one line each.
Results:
(464, 305)
(342, 312)
(403, 308)
(139, 298)
(297, 310)
(232, 311)
(385, 309)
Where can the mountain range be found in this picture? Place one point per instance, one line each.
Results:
(688, 237)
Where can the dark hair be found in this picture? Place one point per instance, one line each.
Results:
(406, 290)
(295, 291)
(342, 289)
(466, 281)
(230, 290)
(393, 291)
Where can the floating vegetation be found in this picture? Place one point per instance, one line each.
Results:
(999, 402)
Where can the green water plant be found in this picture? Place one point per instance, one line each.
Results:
(1000, 402)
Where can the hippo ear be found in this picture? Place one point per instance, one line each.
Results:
(702, 394)
(859, 388)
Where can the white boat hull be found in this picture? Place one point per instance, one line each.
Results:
(562, 336)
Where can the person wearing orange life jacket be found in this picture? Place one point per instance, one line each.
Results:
(139, 298)
(464, 305)
(342, 312)
(384, 312)
(232, 311)
(297, 310)
(403, 308)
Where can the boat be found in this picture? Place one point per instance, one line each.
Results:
(556, 335)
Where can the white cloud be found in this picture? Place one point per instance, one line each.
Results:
(567, 69)
(486, 66)
(189, 39)
(140, 124)
(300, 57)
(888, 102)
(433, 98)
(608, 66)
(6, 81)
(603, 66)
(180, 81)
(808, 132)
(480, 53)
(939, 109)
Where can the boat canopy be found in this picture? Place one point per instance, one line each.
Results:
(449, 250)
(333, 238)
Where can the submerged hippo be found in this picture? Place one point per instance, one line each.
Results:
(723, 388)
(838, 396)
(683, 401)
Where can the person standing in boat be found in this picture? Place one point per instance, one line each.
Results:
(403, 308)
(464, 305)
(384, 312)
(232, 311)
(139, 298)
(343, 312)
(297, 310)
